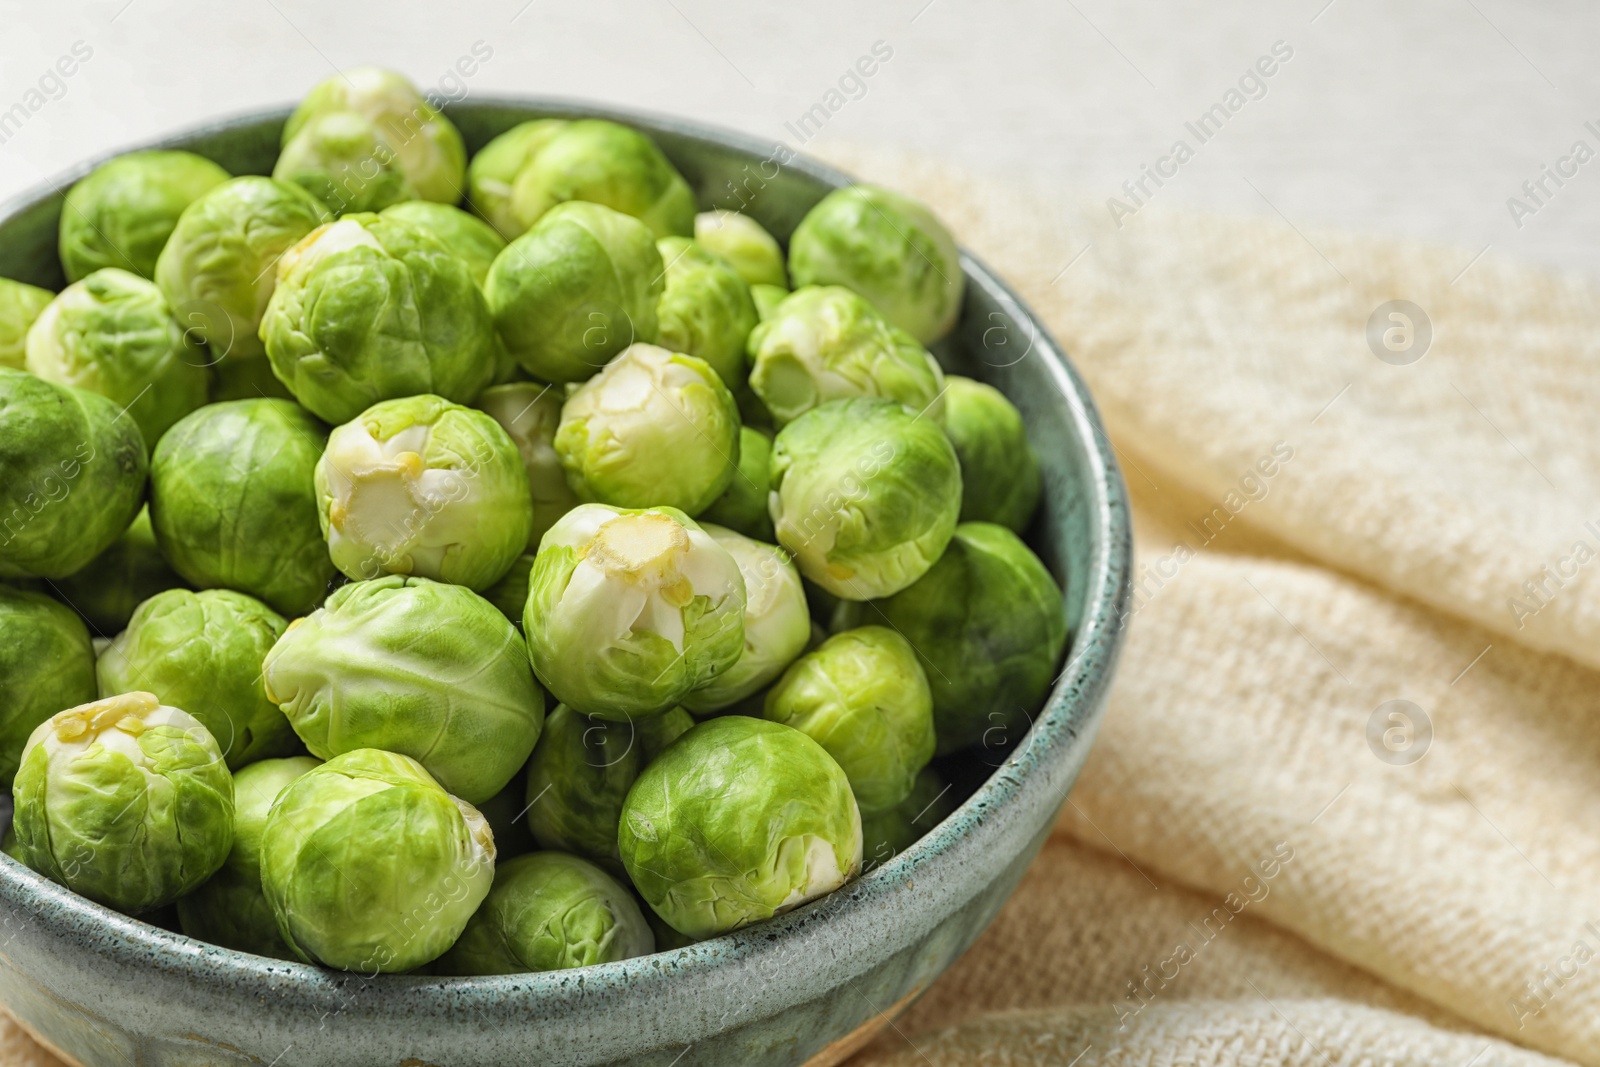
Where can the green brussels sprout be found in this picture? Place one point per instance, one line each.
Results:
(530, 413)
(131, 571)
(113, 334)
(233, 502)
(122, 213)
(575, 290)
(425, 487)
(989, 627)
(743, 505)
(630, 610)
(886, 834)
(863, 697)
(740, 820)
(999, 470)
(705, 310)
(777, 624)
(419, 142)
(741, 240)
(217, 270)
(46, 664)
(422, 668)
(20, 306)
(766, 299)
(124, 801)
(580, 774)
(654, 428)
(231, 909)
(864, 495)
(604, 163)
(204, 651)
(470, 239)
(826, 343)
(510, 594)
(369, 865)
(548, 912)
(494, 170)
(72, 474)
(887, 247)
(372, 308)
(339, 158)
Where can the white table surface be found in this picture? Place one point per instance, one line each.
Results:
(1418, 117)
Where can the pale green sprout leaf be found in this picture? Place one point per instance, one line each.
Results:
(630, 610)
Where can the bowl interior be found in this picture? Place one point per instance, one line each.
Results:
(1013, 787)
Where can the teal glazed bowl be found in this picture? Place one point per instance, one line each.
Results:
(106, 990)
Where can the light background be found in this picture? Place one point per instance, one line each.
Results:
(1418, 118)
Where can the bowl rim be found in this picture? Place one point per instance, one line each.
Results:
(1070, 713)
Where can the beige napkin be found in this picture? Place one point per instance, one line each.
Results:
(1239, 877)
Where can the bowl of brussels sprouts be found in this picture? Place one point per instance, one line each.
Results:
(521, 582)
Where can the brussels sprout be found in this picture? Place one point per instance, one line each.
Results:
(705, 310)
(420, 143)
(425, 487)
(204, 651)
(422, 668)
(865, 496)
(230, 909)
(548, 912)
(887, 247)
(470, 239)
(494, 169)
(113, 334)
(369, 865)
(575, 290)
(72, 474)
(530, 413)
(20, 305)
(863, 697)
(741, 240)
(827, 343)
(122, 213)
(654, 428)
(217, 270)
(124, 801)
(233, 502)
(739, 821)
(339, 158)
(776, 622)
(371, 308)
(604, 163)
(131, 571)
(999, 471)
(510, 594)
(886, 834)
(46, 664)
(766, 299)
(743, 505)
(989, 627)
(581, 771)
(630, 610)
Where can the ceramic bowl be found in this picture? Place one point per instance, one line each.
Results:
(812, 986)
